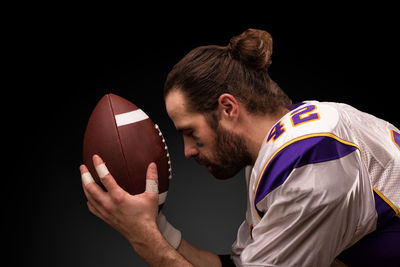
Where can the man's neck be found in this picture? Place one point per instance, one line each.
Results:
(256, 127)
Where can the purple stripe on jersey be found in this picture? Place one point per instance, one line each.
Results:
(385, 212)
(396, 138)
(381, 247)
(303, 152)
(294, 106)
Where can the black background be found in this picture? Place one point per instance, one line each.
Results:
(62, 61)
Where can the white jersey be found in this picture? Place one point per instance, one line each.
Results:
(313, 188)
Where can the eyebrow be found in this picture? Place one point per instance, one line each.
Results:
(182, 129)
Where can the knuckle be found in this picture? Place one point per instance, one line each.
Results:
(106, 179)
(118, 197)
(91, 188)
(92, 209)
(152, 197)
(109, 182)
(108, 207)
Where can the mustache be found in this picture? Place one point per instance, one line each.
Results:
(202, 161)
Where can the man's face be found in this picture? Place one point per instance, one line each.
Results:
(222, 152)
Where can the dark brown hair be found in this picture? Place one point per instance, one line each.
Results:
(240, 69)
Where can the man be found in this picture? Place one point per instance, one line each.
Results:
(323, 179)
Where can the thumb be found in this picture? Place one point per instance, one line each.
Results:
(152, 178)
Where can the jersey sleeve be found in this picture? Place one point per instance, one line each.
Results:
(313, 199)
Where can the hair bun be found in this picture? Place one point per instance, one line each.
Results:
(253, 48)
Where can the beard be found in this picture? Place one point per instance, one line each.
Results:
(230, 155)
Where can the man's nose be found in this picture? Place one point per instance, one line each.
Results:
(190, 148)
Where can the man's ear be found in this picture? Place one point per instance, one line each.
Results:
(229, 107)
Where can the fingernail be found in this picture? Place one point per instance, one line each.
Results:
(102, 170)
(87, 178)
(152, 166)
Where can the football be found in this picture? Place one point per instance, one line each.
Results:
(128, 141)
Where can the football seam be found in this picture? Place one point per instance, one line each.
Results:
(119, 138)
(166, 150)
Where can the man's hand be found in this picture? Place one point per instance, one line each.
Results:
(131, 215)
(134, 216)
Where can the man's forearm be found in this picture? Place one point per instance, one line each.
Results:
(156, 251)
(198, 257)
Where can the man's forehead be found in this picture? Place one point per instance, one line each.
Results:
(175, 103)
(177, 110)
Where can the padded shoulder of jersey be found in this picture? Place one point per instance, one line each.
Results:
(308, 118)
(311, 117)
(306, 135)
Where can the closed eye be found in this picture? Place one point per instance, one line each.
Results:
(190, 133)
(186, 132)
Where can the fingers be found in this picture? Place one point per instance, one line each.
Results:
(152, 179)
(100, 166)
(86, 176)
(105, 177)
(152, 173)
(116, 203)
(100, 202)
(93, 192)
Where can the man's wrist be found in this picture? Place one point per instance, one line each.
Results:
(143, 238)
(171, 234)
(153, 248)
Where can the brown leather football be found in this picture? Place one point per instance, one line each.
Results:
(128, 141)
